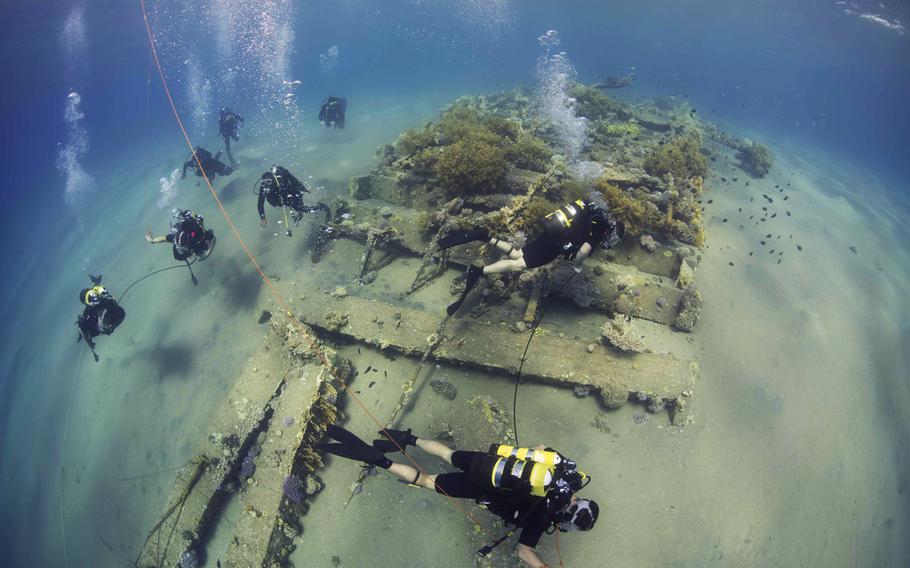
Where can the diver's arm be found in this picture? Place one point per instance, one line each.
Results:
(260, 207)
(583, 252)
(186, 164)
(530, 557)
(153, 239)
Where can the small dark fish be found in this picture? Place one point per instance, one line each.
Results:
(763, 219)
(692, 112)
(751, 199)
(710, 201)
(723, 179)
(788, 213)
(385, 373)
(799, 247)
(750, 253)
(781, 191)
(853, 249)
(713, 159)
(786, 197)
(764, 208)
(778, 261)
(730, 263)
(724, 219)
(747, 184)
(751, 216)
(762, 243)
(781, 253)
(371, 384)
(735, 179)
(369, 368)
(788, 184)
(358, 350)
(375, 370)
(773, 215)
(265, 316)
(740, 209)
(776, 185)
(768, 236)
(771, 251)
(356, 373)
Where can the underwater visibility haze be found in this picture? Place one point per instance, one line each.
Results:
(433, 283)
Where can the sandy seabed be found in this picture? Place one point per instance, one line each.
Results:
(796, 451)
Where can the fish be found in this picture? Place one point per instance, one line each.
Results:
(799, 247)
(771, 251)
(369, 386)
(369, 368)
(768, 236)
(762, 243)
(853, 249)
(724, 219)
(730, 263)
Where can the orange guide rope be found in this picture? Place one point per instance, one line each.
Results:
(342, 386)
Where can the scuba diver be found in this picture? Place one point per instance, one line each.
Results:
(188, 235)
(102, 314)
(210, 164)
(332, 112)
(281, 189)
(532, 490)
(228, 124)
(572, 231)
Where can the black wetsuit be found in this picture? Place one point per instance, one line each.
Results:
(99, 319)
(229, 123)
(190, 238)
(210, 164)
(547, 247)
(526, 511)
(332, 112)
(281, 189)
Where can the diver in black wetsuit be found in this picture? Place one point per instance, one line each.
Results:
(229, 123)
(281, 189)
(573, 231)
(531, 489)
(210, 164)
(332, 112)
(188, 235)
(101, 316)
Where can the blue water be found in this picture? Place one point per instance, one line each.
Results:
(799, 75)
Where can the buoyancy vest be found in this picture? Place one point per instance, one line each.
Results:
(510, 468)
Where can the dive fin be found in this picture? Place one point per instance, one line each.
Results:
(353, 448)
(461, 237)
(96, 280)
(471, 276)
(402, 439)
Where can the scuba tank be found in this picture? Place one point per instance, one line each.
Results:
(563, 218)
(185, 237)
(542, 473)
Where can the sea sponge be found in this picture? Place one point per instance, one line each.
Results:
(628, 128)
(755, 159)
(471, 166)
(413, 140)
(529, 152)
(681, 156)
(620, 332)
(632, 208)
(689, 310)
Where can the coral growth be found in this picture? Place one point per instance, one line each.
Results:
(293, 488)
(689, 310)
(681, 156)
(471, 166)
(619, 332)
(628, 128)
(755, 159)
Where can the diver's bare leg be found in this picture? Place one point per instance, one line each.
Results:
(505, 265)
(410, 474)
(435, 448)
(506, 248)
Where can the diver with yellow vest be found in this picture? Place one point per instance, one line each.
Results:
(531, 489)
(573, 231)
(101, 316)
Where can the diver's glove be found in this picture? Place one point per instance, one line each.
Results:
(402, 439)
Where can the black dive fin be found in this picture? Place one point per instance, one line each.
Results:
(96, 280)
(402, 439)
(462, 237)
(472, 275)
(353, 448)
